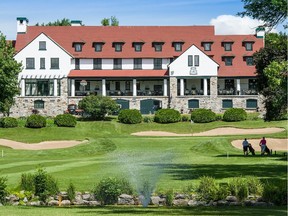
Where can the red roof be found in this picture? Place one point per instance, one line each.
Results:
(118, 73)
(65, 36)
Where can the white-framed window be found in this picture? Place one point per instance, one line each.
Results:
(30, 63)
(42, 63)
(42, 45)
(54, 63)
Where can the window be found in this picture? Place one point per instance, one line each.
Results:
(178, 46)
(42, 45)
(228, 46)
(190, 60)
(77, 64)
(207, 46)
(127, 85)
(251, 103)
(30, 63)
(38, 104)
(249, 61)
(137, 63)
(229, 84)
(157, 46)
(252, 84)
(98, 47)
(118, 47)
(227, 104)
(196, 60)
(157, 63)
(78, 47)
(117, 63)
(138, 47)
(97, 64)
(249, 46)
(228, 60)
(193, 104)
(42, 63)
(54, 63)
(39, 87)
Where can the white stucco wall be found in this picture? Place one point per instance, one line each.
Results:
(52, 51)
(180, 68)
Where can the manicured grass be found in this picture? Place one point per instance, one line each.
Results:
(129, 210)
(168, 162)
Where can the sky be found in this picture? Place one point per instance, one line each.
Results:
(220, 13)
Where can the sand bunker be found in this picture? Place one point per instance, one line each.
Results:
(274, 144)
(214, 132)
(41, 145)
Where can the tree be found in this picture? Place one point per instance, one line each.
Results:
(63, 22)
(271, 69)
(9, 71)
(98, 106)
(272, 12)
(106, 21)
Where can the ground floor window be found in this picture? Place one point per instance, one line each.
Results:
(251, 104)
(193, 104)
(227, 104)
(39, 87)
(39, 104)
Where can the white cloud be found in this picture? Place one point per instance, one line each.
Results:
(234, 25)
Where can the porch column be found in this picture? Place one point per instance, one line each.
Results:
(72, 87)
(181, 87)
(22, 85)
(205, 86)
(55, 87)
(238, 86)
(134, 87)
(165, 88)
(103, 87)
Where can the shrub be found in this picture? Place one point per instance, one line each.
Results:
(185, 118)
(8, 122)
(207, 189)
(27, 182)
(203, 116)
(238, 187)
(219, 117)
(234, 114)
(255, 186)
(3, 191)
(108, 190)
(71, 192)
(167, 116)
(275, 192)
(35, 121)
(169, 197)
(65, 120)
(130, 116)
(148, 119)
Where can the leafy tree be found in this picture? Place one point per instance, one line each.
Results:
(9, 70)
(106, 21)
(98, 106)
(272, 12)
(63, 22)
(275, 92)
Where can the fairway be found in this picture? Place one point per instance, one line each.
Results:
(170, 162)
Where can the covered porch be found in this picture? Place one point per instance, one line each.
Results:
(237, 86)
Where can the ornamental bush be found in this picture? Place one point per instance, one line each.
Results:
(167, 116)
(238, 187)
(234, 114)
(65, 120)
(130, 116)
(203, 116)
(35, 121)
(207, 189)
(3, 191)
(8, 122)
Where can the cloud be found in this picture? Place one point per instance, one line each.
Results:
(229, 24)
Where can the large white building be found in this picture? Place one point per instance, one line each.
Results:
(141, 67)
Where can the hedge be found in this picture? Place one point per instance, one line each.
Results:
(234, 114)
(203, 116)
(167, 116)
(65, 120)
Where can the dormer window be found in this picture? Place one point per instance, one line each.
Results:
(98, 46)
(118, 46)
(228, 60)
(249, 60)
(248, 46)
(158, 46)
(227, 46)
(78, 46)
(137, 46)
(207, 46)
(177, 46)
(42, 45)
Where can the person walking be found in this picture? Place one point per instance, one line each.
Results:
(262, 144)
(245, 144)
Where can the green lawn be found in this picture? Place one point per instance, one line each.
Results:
(169, 162)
